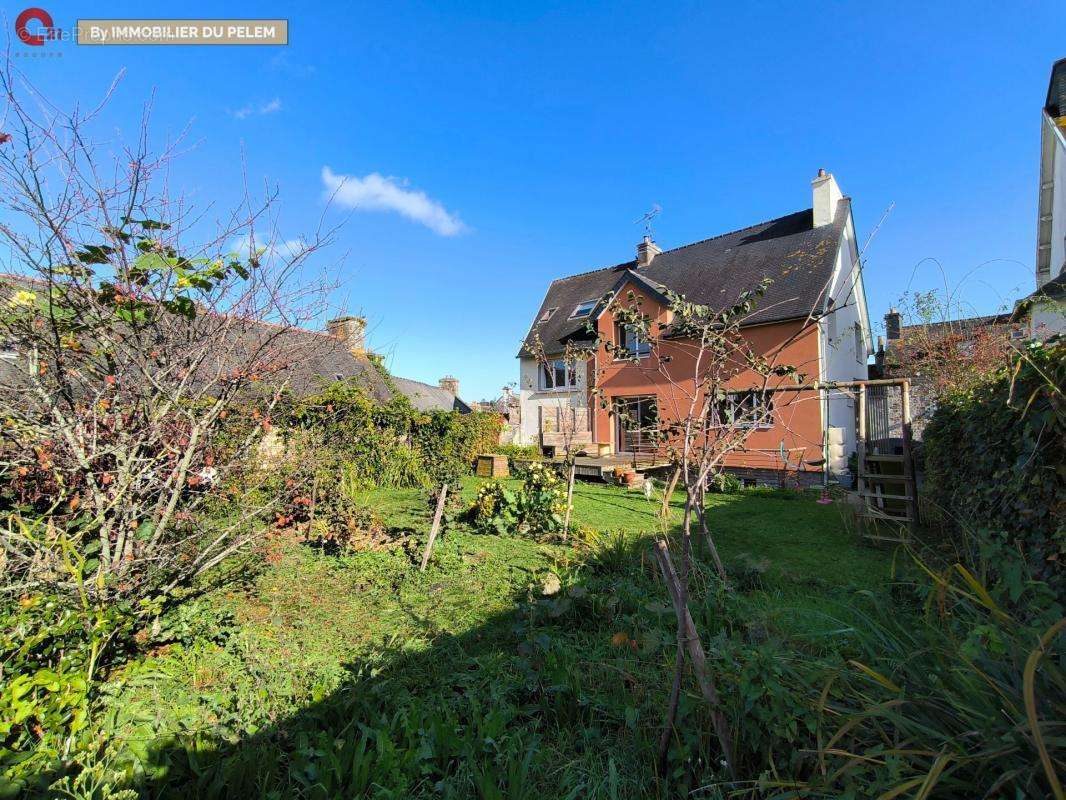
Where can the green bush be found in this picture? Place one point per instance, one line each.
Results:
(535, 508)
(994, 456)
(393, 444)
(726, 483)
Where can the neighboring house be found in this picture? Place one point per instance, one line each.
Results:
(1045, 308)
(813, 316)
(929, 352)
(348, 357)
(424, 397)
(305, 361)
(507, 406)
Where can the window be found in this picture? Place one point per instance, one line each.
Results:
(747, 409)
(630, 342)
(583, 309)
(860, 345)
(547, 315)
(558, 374)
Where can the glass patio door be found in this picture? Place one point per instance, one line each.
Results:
(636, 424)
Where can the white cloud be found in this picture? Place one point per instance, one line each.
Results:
(267, 249)
(376, 192)
(247, 110)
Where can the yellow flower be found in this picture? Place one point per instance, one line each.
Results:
(22, 298)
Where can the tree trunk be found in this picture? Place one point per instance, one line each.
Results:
(569, 496)
(689, 638)
(710, 541)
(664, 512)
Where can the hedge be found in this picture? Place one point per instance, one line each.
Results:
(392, 443)
(994, 456)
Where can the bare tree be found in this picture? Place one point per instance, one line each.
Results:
(574, 359)
(719, 390)
(146, 347)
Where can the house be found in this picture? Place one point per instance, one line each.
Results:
(1045, 308)
(345, 356)
(303, 361)
(813, 316)
(935, 355)
(425, 397)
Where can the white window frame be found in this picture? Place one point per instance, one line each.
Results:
(623, 352)
(588, 305)
(556, 365)
(547, 315)
(730, 405)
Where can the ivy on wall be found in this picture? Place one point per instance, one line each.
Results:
(994, 456)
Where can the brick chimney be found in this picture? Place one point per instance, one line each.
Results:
(646, 251)
(893, 324)
(450, 384)
(351, 331)
(826, 196)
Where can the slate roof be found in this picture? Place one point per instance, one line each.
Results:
(798, 257)
(1055, 105)
(304, 361)
(426, 397)
(964, 325)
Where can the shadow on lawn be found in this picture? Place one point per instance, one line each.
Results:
(560, 697)
(499, 711)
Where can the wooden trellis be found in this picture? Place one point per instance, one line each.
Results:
(885, 479)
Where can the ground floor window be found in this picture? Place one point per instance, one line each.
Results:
(751, 408)
(636, 424)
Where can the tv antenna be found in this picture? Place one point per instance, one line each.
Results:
(656, 209)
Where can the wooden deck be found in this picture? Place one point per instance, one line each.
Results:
(600, 467)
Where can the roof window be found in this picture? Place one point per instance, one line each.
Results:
(583, 309)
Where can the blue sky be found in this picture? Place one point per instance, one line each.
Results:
(538, 134)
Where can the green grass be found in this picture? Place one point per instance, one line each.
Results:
(361, 676)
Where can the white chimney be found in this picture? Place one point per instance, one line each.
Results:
(646, 251)
(826, 196)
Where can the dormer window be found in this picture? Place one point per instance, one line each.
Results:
(583, 309)
(547, 315)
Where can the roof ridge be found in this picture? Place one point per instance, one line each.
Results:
(738, 230)
(690, 244)
(593, 271)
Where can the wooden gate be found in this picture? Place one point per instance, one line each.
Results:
(885, 480)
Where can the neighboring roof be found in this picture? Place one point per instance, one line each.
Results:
(956, 325)
(425, 397)
(303, 361)
(325, 359)
(1054, 289)
(789, 250)
(1055, 105)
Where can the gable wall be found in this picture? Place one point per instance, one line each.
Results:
(797, 414)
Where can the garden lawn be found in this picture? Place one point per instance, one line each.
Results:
(510, 668)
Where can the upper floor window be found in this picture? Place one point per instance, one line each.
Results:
(558, 374)
(583, 309)
(747, 409)
(630, 341)
(860, 344)
(547, 315)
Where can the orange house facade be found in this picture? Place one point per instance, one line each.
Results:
(790, 439)
(576, 392)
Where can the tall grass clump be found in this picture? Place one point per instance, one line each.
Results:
(964, 700)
